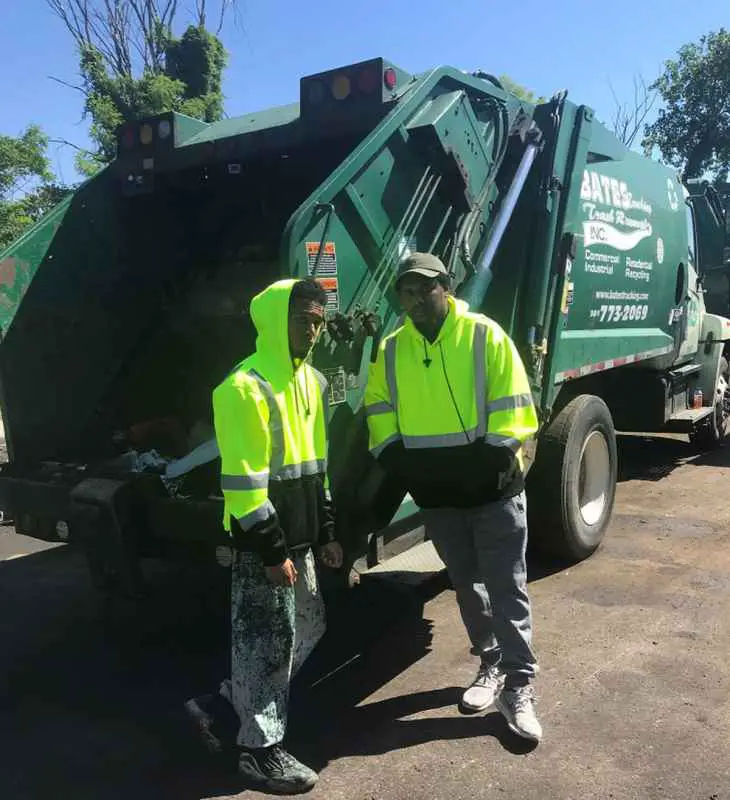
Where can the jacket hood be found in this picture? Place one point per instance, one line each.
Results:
(457, 309)
(270, 315)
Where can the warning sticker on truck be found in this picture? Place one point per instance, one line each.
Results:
(331, 286)
(326, 264)
(337, 385)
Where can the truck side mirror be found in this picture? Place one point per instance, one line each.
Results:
(709, 219)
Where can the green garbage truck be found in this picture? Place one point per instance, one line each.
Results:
(124, 307)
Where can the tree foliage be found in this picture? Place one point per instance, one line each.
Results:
(133, 65)
(692, 130)
(27, 187)
(520, 91)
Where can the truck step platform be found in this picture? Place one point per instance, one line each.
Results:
(412, 567)
(685, 421)
(685, 371)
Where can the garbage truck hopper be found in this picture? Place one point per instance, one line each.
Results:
(131, 301)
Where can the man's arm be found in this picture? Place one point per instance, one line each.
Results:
(385, 441)
(330, 551)
(241, 419)
(327, 533)
(511, 415)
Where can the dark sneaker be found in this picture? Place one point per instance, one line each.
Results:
(275, 770)
(216, 720)
(517, 706)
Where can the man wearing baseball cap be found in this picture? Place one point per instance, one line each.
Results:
(449, 408)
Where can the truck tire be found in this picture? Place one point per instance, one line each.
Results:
(572, 486)
(714, 431)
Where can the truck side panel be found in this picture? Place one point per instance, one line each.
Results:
(623, 294)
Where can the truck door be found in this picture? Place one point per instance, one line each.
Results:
(686, 322)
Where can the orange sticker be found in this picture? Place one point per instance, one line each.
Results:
(326, 264)
(331, 286)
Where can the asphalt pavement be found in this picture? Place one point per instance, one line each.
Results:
(634, 689)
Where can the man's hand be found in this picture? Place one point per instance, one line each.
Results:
(284, 574)
(331, 555)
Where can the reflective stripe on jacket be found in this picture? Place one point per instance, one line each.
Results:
(270, 420)
(450, 417)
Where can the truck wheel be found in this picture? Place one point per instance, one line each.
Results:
(573, 482)
(713, 432)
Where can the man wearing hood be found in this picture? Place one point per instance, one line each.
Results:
(449, 407)
(270, 418)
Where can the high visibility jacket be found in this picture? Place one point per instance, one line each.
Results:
(270, 419)
(449, 418)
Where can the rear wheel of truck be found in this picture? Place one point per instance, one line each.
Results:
(573, 483)
(713, 431)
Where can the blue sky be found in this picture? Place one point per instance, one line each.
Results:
(582, 46)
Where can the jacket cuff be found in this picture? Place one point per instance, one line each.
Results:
(504, 458)
(391, 458)
(326, 533)
(273, 554)
(266, 539)
(327, 520)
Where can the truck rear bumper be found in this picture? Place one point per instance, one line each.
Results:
(36, 507)
(117, 520)
(53, 512)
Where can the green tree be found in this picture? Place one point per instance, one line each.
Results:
(692, 129)
(27, 186)
(133, 65)
(520, 91)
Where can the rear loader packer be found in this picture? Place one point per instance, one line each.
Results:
(125, 306)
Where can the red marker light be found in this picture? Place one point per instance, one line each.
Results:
(367, 81)
(390, 79)
(128, 138)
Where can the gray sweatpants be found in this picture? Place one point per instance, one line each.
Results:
(484, 551)
(273, 631)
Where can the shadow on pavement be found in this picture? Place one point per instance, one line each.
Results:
(380, 727)
(651, 458)
(91, 714)
(347, 729)
(87, 712)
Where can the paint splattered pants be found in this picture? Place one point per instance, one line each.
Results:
(274, 629)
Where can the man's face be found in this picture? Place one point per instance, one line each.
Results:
(306, 319)
(423, 299)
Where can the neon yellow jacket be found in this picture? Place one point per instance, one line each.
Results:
(449, 419)
(270, 421)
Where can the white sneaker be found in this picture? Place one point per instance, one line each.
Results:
(517, 706)
(480, 695)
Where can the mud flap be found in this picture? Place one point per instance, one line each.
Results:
(102, 520)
